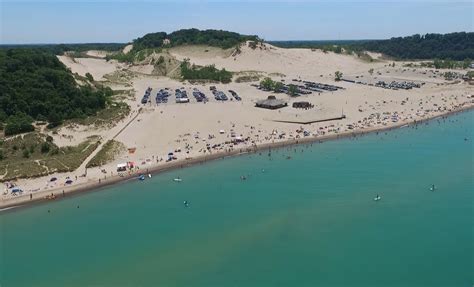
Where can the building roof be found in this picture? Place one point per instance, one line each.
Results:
(271, 102)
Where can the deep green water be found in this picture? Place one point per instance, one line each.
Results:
(308, 221)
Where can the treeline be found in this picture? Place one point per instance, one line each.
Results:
(442, 64)
(35, 85)
(455, 46)
(316, 44)
(215, 38)
(192, 72)
(59, 49)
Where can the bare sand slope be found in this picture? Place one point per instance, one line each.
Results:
(96, 67)
(270, 59)
(97, 53)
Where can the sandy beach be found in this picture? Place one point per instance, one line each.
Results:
(199, 132)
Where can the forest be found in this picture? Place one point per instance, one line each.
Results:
(215, 38)
(35, 85)
(59, 49)
(453, 46)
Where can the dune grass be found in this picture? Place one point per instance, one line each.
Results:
(34, 155)
(108, 152)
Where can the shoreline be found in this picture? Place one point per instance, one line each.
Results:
(24, 201)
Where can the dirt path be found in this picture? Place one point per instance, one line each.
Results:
(105, 140)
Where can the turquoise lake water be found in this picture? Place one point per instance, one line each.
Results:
(306, 221)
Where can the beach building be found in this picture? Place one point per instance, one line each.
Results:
(271, 103)
(302, 105)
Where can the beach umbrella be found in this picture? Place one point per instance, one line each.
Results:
(69, 181)
(53, 179)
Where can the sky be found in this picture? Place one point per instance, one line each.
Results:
(88, 21)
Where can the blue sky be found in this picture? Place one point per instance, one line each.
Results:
(57, 21)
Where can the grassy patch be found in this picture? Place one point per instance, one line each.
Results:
(34, 155)
(113, 113)
(248, 78)
(108, 153)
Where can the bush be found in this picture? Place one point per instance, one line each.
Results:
(26, 153)
(204, 73)
(45, 147)
(267, 84)
(17, 124)
(89, 77)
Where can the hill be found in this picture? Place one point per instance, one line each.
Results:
(35, 85)
(214, 38)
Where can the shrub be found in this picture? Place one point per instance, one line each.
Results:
(17, 124)
(89, 77)
(26, 153)
(45, 147)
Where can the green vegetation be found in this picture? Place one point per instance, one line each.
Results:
(18, 123)
(114, 112)
(89, 77)
(270, 85)
(337, 75)
(456, 46)
(470, 75)
(267, 84)
(442, 64)
(108, 152)
(192, 72)
(247, 78)
(35, 85)
(133, 55)
(59, 49)
(215, 38)
(292, 90)
(34, 154)
(450, 64)
(277, 86)
(326, 45)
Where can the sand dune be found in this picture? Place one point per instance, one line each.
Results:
(96, 67)
(155, 130)
(271, 59)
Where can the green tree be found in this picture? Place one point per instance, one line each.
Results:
(267, 84)
(35, 85)
(292, 90)
(89, 77)
(338, 75)
(277, 86)
(19, 123)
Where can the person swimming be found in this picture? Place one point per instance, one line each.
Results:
(186, 203)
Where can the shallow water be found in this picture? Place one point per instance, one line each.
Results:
(308, 221)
